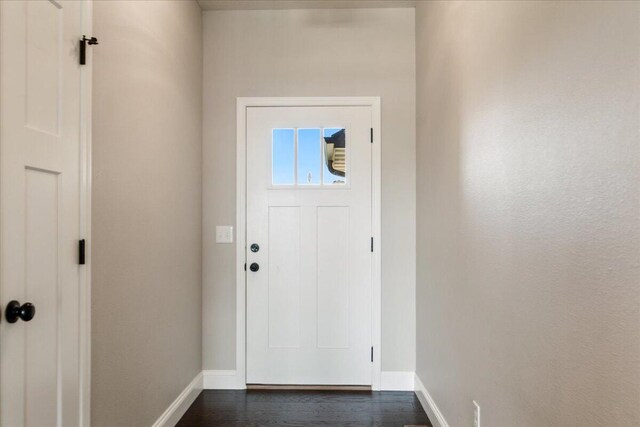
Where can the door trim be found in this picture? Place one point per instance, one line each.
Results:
(242, 104)
(86, 99)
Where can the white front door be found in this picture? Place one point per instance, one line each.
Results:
(39, 213)
(309, 228)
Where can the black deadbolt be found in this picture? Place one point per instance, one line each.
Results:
(254, 267)
(16, 311)
(255, 247)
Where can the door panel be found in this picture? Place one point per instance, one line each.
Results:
(40, 211)
(333, 277)
(284, 279)
(42, 285)
(309, 209)
(43, 48)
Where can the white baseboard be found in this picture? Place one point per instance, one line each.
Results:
(397, 381)
(429, 404)
(221, 380)
(176, 410)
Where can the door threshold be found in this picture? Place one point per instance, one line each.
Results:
(309, 387)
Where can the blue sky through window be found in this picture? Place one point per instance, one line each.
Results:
(310, 157)
(283, 157)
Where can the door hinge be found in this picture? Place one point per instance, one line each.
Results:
(372, 244)
(83, 47)
(81, 251)
(372, 353)
(372, 135)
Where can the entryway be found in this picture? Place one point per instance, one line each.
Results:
(311, 306)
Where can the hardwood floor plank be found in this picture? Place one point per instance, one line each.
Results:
(248, 408)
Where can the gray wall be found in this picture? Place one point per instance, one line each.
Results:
(147, 112)
(311, 53)
(528, 211)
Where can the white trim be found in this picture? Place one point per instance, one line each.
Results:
(178, 407)
(376, 224)
(222, 380)
(86, 84)
(241, 225)
(241, 194)
(429, 405)
(397, 381)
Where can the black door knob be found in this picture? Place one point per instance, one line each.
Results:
(255, 247)
(16, 311)
(254, 267)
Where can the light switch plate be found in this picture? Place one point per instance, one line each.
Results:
(224, 234)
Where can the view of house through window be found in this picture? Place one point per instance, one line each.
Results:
(308, 156)
(335, 156)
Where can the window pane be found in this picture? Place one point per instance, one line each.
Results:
(335, 156)
(282, 157)
(309, 156)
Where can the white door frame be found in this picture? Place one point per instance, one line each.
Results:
(86, 83)
(84, 230)
(241, 196)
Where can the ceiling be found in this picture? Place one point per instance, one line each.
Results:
(301, 4)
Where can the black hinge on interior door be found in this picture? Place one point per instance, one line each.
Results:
(81, 251)
(83, 47)
(372, 353)
(372, 135)
(372, 244)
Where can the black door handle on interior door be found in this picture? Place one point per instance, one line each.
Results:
(254, 267)
(16, 311)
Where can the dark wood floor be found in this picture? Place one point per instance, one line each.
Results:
(304, 408)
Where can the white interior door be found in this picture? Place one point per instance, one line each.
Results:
(309, 317)
(40, 212)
